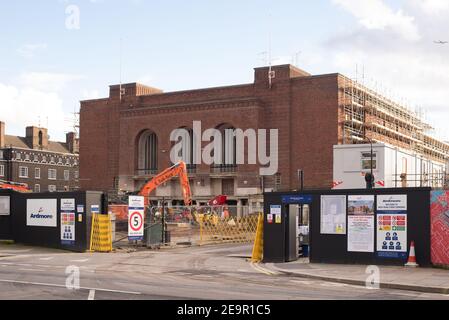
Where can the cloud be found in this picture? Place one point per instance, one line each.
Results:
(35, 97)
(432, 7)
(29, 51)
(90, 94)
(376, 15)
(410, 69)
(46, 81)
(25, 106)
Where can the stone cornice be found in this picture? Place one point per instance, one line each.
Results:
(192, 106)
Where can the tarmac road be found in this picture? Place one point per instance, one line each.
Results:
(212, 272)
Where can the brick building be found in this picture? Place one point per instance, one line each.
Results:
(36, 161)
(126, 137)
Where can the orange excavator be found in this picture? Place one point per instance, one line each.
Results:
(180, 170)
(20, 187)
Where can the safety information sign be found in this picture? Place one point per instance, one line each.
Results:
(68, 221)
(276, 212)
(136, 217)
(68, 228)
(392, 226)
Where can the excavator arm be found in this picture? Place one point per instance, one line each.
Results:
(180, 170)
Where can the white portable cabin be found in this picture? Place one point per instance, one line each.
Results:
(393, 167)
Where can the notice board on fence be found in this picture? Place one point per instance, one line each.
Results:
(361, 223)
(439, 211)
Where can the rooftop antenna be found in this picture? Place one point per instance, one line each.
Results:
(271, 73)
(264, 58)
(76, 122)
(122, 91)
(363, 74)
(296, 58)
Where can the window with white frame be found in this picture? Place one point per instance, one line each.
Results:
(2, 170)
(23, 172)
(59, 160)
(37, 188)
(37, 173)
(52, 188)
(44, 159)
(366, 161)
(52, 159)
(27, 157)
(51, 174)
(18, 156)
(1, 154)
(35, 158)
(66, 175)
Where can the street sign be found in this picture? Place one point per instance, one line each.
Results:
(136, 218)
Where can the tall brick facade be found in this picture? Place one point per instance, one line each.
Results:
(303, 107)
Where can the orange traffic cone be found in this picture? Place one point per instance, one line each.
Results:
(412, 257)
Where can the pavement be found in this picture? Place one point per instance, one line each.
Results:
(429, 280)
(219, 272)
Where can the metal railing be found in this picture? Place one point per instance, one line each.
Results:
(225, 168)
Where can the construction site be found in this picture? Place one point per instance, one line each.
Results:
(369, 117)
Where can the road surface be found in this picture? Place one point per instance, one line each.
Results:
(212, 272)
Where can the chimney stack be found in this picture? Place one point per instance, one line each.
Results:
(72, 142)
(37, 138)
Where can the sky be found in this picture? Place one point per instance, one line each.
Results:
(55, 53)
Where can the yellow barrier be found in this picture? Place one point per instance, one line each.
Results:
(258, 243)
(214, 229)
(101, 233)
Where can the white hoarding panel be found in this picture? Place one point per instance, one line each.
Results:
(42, 213)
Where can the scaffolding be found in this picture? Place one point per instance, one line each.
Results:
(366, 114)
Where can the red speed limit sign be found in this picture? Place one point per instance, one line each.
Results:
(136, 221)
(136, 213)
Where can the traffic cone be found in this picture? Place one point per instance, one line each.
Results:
(412, 257)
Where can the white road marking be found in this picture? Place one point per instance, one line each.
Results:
(304, 282)
(33, 270)
(91, 295)
(81, 260)
(332, 284)
(14, 251)
(47, 258)
(63, 286)
(263, 270)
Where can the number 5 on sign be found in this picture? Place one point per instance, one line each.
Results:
(136, 218)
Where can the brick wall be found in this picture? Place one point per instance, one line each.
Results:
(304, 108)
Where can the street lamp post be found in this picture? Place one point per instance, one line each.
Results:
(370, 180)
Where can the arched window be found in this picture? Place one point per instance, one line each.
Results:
(185, 148)
(147, 153)
(229, 151)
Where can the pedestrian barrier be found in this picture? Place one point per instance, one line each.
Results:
(258, 243)
(101, 233)
(216, 229)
